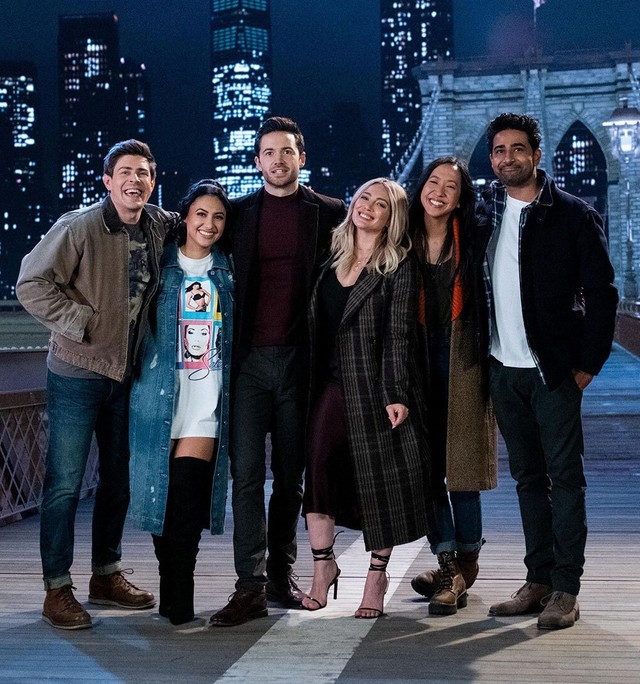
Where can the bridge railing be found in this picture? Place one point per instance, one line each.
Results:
(23, 445)
(628, 325)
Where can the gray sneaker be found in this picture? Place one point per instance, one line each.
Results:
(528, 599)
(561, 611)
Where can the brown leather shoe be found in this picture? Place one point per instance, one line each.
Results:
(285, 591)
(244, 605)
(561, 610)
(426, 583)
(528, 599)
(115, 590)
(62, 610)
(451, 593)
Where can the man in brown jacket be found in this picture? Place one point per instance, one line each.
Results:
(90, 280)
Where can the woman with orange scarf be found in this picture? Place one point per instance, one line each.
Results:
(462, 433)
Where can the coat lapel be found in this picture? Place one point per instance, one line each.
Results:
(366, 283)
(308, 222)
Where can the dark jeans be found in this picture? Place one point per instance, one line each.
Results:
(458, 515)
(270, 394)
(543, 433)
(77, 408)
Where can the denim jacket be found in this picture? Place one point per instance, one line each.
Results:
(152, 396)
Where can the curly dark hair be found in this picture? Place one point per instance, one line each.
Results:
(516, 122)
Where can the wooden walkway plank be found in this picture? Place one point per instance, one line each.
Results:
(405, 646)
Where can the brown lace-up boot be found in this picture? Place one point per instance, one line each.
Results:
(62, 610)
(468, 564)
(452, 591)
(426, 583)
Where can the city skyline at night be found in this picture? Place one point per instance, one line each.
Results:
(324, 64)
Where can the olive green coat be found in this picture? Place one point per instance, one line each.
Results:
(471, 428)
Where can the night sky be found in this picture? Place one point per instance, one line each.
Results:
(322, 52)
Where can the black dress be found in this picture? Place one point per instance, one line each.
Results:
(329, 483)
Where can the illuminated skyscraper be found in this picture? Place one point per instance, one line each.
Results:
(18, 108)
(241, 80)
(90, 109)
(20, 193)
(413, 32)
(101, 102)
(133, 81)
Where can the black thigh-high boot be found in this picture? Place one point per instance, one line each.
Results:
(189, 495)
(163, 554)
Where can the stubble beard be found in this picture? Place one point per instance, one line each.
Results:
(516, 178)
(281, 182)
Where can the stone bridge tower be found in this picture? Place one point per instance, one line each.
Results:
(571, 95)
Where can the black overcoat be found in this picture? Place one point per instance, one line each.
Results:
(376, 351)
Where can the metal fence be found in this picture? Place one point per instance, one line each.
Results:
(23, 445)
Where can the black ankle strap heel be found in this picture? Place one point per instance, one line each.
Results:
(383, 559)
(325, 555)
(382, 567)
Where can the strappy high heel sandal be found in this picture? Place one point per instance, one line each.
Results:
(384, 561)
(325, 555)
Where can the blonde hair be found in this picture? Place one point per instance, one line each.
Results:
(394, 242)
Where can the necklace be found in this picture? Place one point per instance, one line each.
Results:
(362, 261)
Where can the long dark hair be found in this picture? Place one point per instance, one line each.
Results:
(465, 213)
(206, 186)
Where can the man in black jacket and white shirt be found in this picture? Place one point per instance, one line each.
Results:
(549, 318)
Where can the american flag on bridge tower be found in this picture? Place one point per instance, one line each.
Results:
(536, 7)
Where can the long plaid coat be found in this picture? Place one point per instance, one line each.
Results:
(376, 351)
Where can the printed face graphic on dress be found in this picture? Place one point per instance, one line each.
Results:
(200, 323)
(197, 340)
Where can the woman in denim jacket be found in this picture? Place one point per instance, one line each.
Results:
(179, 422)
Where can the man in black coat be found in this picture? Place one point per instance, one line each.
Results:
(549, 315)
(280, 235)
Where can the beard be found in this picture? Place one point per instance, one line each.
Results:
(516, 176)
(280, 181)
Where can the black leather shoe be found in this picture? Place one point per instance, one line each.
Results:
(243, 606)
(285, 591)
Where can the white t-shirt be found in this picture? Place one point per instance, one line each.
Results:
(198, 370)
(508, 339)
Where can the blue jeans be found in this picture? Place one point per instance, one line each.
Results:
(543, 433)
(458, 515)
(77, 408)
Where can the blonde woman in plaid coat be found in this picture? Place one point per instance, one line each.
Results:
(367, 462)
